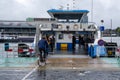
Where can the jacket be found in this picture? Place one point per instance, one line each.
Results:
(42, 44)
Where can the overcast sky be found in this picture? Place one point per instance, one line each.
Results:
(106, 10)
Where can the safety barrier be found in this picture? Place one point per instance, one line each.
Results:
(96, 51)
(15, 51)
(103, 51)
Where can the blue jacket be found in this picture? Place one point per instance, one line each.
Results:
(43, 44)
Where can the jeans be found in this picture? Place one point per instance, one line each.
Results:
(42, 54)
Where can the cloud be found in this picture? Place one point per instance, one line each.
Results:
(22, 9)
(107, 10)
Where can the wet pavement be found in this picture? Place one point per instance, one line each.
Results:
(74, 75)
(59, 74)
(79, 62)
(60, 67)
(77, 67)
(13, 74)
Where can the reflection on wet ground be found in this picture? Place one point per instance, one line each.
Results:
(13, 74)
(67, 67)
(84, 68)
(70, 74)
(80, 62)
(60, 67)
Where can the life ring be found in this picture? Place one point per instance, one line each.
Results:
(59, 26)
(75, 26)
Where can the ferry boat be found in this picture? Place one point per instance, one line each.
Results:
(67, 26)
(64, 24)
(13, 34)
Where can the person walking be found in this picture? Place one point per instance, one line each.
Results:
(51, 45)
(82, 43)
(42, 45)
(80, 39)
(73, 42)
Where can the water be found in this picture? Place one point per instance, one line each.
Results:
(113, 39)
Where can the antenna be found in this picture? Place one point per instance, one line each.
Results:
(73, 4)
(92, 11)
(67, 6)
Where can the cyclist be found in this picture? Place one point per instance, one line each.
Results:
(42, 45)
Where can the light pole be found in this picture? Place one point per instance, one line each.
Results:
(92, 11)
(111, 29)
(102, 26)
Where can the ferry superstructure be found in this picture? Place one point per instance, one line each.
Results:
(67, 23)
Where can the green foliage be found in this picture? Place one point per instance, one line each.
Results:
(118, 29)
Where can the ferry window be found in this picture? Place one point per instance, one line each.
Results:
(60, 36)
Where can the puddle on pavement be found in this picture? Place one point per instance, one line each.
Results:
(60, 74)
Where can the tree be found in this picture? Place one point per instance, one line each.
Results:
(118, 30)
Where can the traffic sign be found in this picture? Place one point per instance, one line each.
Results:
(101, 42)
(101, 28)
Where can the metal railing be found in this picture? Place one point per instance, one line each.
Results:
(14, 51)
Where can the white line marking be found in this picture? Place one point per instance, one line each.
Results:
(5, 74)
(30, 73)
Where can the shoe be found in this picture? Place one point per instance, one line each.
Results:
(39, 63)
(42, 64)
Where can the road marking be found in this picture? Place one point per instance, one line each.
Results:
(30, 73)
(5, 74)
